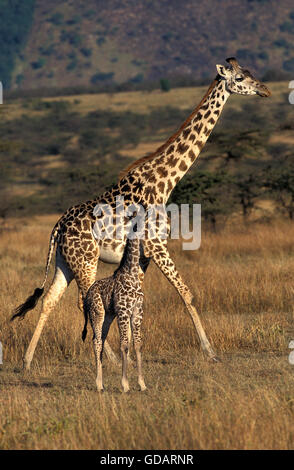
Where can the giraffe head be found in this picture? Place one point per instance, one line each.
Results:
(239, 80)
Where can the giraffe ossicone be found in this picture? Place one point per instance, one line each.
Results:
(148, 180)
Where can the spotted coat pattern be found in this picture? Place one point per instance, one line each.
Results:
(121, 296)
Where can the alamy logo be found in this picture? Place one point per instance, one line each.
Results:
(291, 94)
(291, 355)
(1, 93)
(1, 353)
(153, 221)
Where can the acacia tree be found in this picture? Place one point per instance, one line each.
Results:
(246, 191)
(214, 191)
(280, 183)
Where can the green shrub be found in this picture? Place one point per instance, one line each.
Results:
(100, 76)
(287, 26)
(38, 64)
(289, 65)
(101, 40)
(86, 51)
(281, 42)
(165, 84)
(56, 18)
(72, 65)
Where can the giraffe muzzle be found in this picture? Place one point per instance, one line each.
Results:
(263, 91)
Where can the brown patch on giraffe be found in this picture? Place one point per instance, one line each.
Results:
(170, 150)
(72, 232)
(199, 144)
(162, 171)
(169, 186)
(198, 127)
(161, 186)
(150, 191)
(192, 155)
(87, 236)
(182, 148)
(183, 166)
(149, 176)
(172, 161)
(186, 132)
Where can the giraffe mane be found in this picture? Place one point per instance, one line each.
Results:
(150, 156)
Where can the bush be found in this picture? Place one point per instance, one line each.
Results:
(287, 26)
(86, 51)
(100, 76)
(245, 54)
(101, 40)
(165, 84)
(72, 37)
(281, 42)
(38, 64)
(72, 65)
(56, 18)
(75, 20)
(289, 65)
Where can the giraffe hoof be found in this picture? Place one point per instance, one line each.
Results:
(26, 366)
(215, 359)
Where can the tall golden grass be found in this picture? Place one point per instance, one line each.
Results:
(242, 279)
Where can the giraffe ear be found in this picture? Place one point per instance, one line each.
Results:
(221, 70)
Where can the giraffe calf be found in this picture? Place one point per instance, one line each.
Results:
(121, 296)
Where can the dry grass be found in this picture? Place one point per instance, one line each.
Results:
(243, 284)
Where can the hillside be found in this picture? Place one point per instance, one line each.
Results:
(66, 43)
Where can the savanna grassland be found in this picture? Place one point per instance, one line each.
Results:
(242, 279)
(55, 152)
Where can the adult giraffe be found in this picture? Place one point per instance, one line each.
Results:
(149, 180)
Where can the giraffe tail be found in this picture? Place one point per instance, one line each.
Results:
(33, 299)
(84, 332)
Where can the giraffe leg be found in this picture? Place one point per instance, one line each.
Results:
(130, 362)
(123, 324)
(97, 315)
(62, 278)
(80, 301)
(85, 278)
(163, 260)
(136, 321)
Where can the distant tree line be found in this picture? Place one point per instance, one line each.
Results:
(223, 195)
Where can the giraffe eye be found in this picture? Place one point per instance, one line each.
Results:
(239, 79)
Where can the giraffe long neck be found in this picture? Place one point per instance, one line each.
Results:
(170, 163)
(131, 256)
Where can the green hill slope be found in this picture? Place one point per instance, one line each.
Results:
(98, 42)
